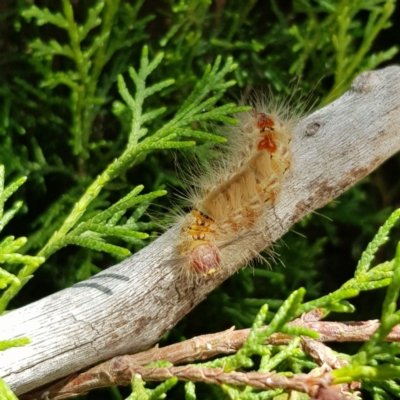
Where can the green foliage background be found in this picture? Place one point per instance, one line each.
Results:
(65, 116)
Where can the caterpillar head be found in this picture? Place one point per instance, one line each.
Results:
(204, 259)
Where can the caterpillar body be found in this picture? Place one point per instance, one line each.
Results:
(231, 202)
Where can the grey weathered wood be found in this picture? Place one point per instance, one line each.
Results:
(128, 307)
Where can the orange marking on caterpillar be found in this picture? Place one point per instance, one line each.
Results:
(267, 143)
(263, 121)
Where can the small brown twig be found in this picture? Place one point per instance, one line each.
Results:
(122, 373)
(120, 370)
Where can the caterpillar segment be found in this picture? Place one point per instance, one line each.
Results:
(199, 235)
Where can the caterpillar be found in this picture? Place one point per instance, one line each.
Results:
(231, 201)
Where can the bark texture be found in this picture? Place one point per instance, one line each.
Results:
(128, 307)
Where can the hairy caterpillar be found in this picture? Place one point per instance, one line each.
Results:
(231, 201)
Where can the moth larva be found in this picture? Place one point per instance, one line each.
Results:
(232, 200)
